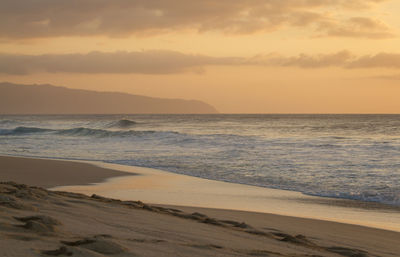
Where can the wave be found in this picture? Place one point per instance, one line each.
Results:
(392, 198)
(6, 122)
(85, 132)
(82, 131)
(109, 133)
(124, 123)
(23, 130)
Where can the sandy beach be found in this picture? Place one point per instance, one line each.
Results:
(40, 222)
(50, 173)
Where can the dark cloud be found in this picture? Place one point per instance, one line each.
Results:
(164, 62)
(50, 18)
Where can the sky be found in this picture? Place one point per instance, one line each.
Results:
(241, 56)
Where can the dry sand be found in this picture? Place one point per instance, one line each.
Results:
(50, 173)
(37, 222)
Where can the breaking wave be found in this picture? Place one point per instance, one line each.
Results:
(348, 157)
(23, 130)
(82, 131)
(124, 123)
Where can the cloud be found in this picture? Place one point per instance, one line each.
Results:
(50, 18)
(381, 60)
(145, 62)
(356, 27)
(343, 59)
(165, 62)
(302, 60)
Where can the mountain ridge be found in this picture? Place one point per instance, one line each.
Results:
(50, 99)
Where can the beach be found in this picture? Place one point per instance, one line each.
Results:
(200, 128)
(78, 218)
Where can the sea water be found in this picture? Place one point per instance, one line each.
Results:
(343, 156)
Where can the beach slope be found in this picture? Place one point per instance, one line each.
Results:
(37, 222)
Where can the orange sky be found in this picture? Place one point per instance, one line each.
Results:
(242, 56)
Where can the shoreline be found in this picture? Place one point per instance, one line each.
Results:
(39, 222)
(114, 171)
(109, 217)
(165, 188)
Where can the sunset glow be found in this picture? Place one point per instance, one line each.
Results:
(286, 56)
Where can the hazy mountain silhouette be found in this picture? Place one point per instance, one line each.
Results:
(49, 99)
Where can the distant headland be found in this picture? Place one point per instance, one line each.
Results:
(49, 99)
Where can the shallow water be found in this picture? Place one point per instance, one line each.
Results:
(166, 188)
(344, 156)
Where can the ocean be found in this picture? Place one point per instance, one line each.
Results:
(341, 156)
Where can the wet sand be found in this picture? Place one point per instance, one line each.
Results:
(160, 187)
(50, 173)
(37, 222)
